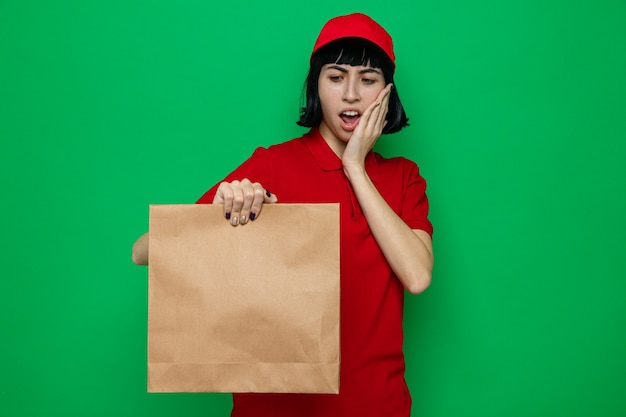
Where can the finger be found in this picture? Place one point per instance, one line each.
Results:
(237, 202)
(224, 196)
(377, 110)
(365, 122)
(380, 123)
(383, 96)
(247, 190)
(384, 109)
(371, 121)
(268, 198)
(257, 202)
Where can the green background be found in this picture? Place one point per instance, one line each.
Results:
(518, 122)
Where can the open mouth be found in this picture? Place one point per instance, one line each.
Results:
(350, 119)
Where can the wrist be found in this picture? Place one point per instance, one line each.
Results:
(354, 170)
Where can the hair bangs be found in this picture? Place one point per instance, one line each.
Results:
(354, 52)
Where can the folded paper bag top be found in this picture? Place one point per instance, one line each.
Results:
(253, 308)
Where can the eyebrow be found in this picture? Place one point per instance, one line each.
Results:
(363, 71)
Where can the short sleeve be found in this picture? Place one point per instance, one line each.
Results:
(255, 168)
(415, 202)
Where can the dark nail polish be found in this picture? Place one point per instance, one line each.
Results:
(267, 192)
(228, 215)
(252, 216)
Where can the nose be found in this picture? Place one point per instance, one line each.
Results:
(351, 91)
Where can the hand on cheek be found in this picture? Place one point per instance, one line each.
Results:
(369, 129)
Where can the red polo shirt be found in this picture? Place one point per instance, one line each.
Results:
(306, 170)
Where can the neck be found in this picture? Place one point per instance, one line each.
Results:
(337, 145)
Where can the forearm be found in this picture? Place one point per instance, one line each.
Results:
(140, 250)
(409, 252)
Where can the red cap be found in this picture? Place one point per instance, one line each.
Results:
(356, 25)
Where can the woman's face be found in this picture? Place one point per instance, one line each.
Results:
(345, 92)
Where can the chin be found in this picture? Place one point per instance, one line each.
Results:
(345, 136)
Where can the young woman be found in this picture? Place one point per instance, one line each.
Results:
(386, 245)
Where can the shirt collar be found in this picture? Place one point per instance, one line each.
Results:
(329, 161)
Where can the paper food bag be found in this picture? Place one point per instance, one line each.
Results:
(253, 308)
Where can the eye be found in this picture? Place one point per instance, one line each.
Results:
(368, 81)
(335, 78)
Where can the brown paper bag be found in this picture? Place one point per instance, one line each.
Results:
(252, 308)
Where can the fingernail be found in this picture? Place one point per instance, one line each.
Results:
(234, 221)
(243, 220)
(228, 215)
(267, 193)
(252, 216)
